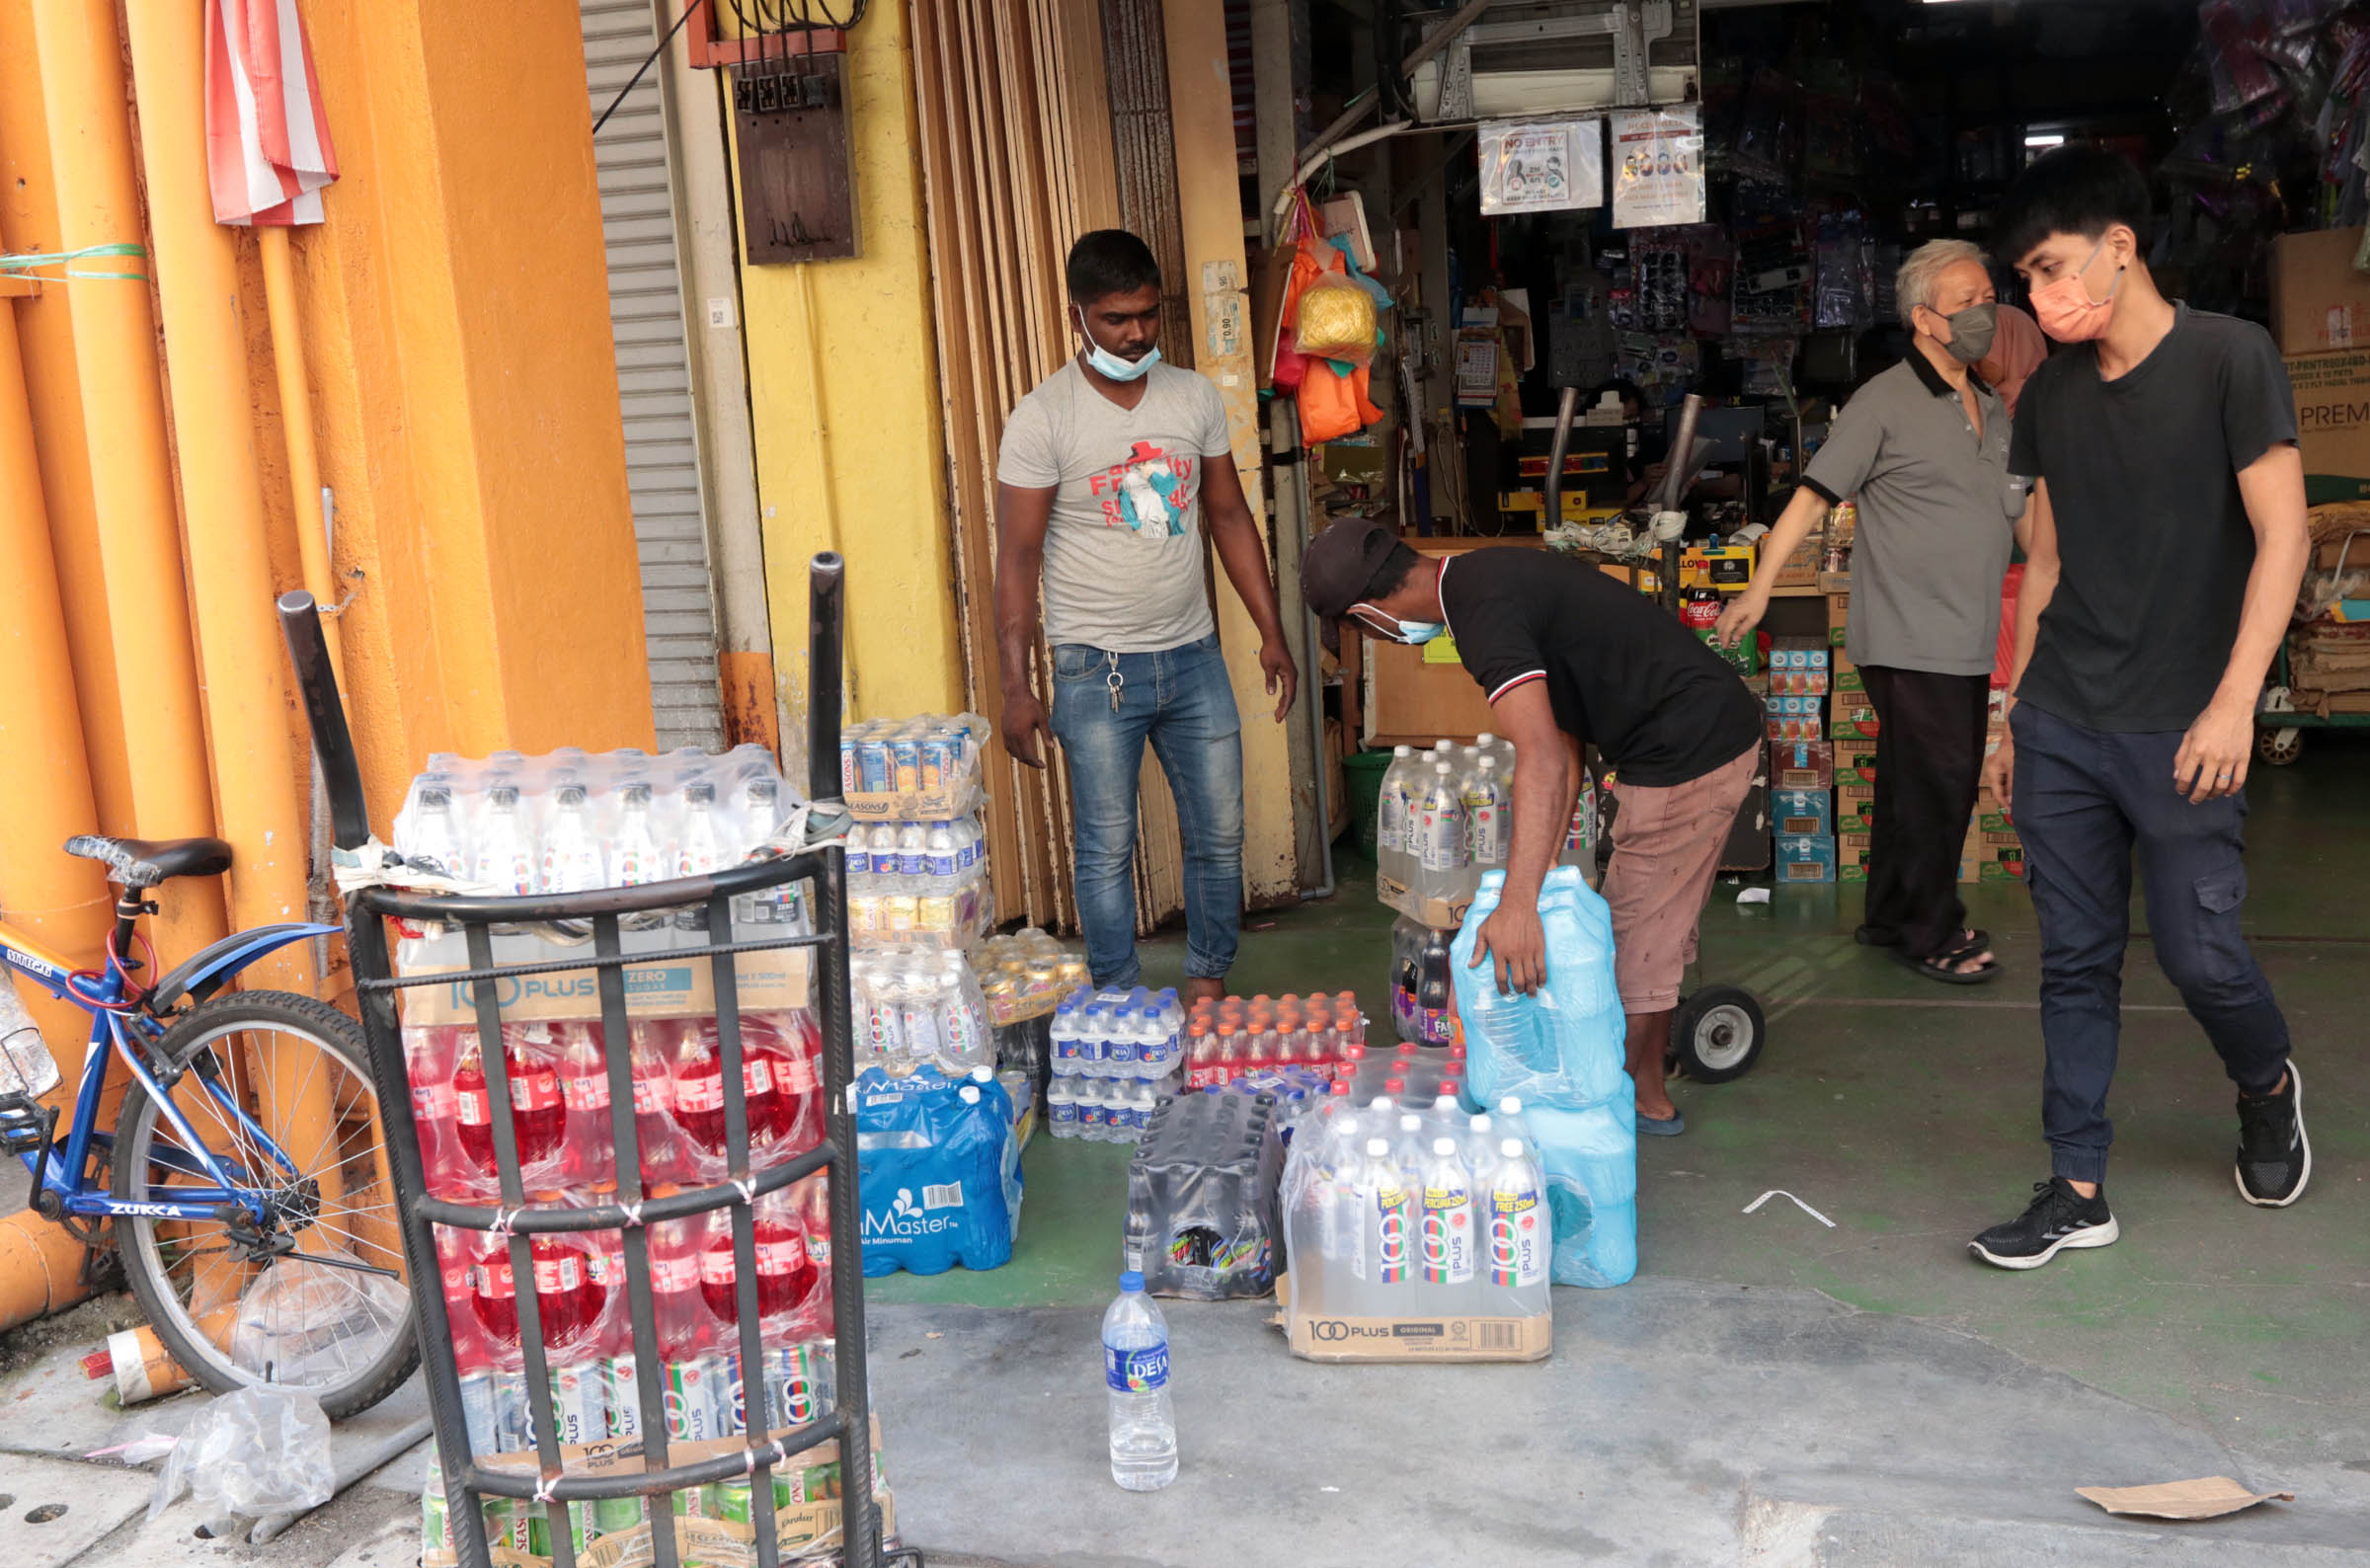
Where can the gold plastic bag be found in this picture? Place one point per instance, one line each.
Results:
(1336, 321)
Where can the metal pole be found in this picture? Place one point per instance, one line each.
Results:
(333, 743)
(826, 602)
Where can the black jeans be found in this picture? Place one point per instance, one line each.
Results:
(1928, 762)
(2084, 800)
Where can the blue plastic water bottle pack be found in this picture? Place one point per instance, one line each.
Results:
(941, 1171)
(1560, 1051)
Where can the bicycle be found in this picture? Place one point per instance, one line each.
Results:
(258, 1265)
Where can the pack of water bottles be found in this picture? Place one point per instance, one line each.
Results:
(941, 1170)
(1116, 1057)
(918, 883)
(1415, 1232)
(917, 1007)
(1446, 817)
(1561, 1049)
(572, 820)
(921, 769)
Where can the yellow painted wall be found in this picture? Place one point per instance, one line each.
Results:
(843, 389)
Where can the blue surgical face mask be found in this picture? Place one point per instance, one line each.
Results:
(1111, 365)
(1412, 633)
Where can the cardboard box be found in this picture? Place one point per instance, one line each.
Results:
(2332, 422)
(1803, 682)
(1847, 679)
(2319, 302)
(803, 1526)
(1798, 813)
(1437, 914)
(1801, 765)
(1855, 760)
(1998, 871)
(1804, 654)
(1857, 871)
(1327, 1338)
(1801, 569)
(1728, 568)
(1805, 857)
(1855, 803)
(668, 986)
(1852, 848)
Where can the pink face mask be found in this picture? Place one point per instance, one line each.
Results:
(2066, 310)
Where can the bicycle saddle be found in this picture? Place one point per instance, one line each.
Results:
(145, 862)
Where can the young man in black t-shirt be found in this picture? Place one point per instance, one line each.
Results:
(1570, 656)
(2168, 539)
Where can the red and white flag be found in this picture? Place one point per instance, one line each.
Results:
(267, 140)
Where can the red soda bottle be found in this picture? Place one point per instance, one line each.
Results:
(1230, 1051)
(472, 1104)
(495, 1298)
(789, 1044)
(814, 1211)
(1348, 1019)
(785, 1268)
(471, 1351)
(537, 1116)
(698, 1087)
(436, 1107)
(663, 1157)
(678, 1307)
(588, 1148)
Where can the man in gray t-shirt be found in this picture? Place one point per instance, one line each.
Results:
(1924, 448)
(1110, 473)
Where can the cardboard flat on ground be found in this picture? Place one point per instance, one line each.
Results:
(2209, 1497)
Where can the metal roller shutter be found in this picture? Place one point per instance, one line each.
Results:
(654, 375)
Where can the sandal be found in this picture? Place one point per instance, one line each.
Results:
(1942, 966)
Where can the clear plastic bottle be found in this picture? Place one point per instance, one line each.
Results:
(1395, 816)
(1387, 1229)
(633, 847)
(1515, 1281)
(1448, 1233)
(1479, 1145)
(700, 848)
(436, 834)
(505, 852)
(1510, 1123)
(1143, 1423)
(1487, 821)
(571, 858)
(1440, 839)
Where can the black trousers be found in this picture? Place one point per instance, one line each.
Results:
(1929, 765)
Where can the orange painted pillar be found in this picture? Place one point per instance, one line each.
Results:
(52, 384)
(262, 812)
(124, 417)
(63, 901)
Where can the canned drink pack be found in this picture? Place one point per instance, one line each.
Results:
(614, 1516)
(580, 1402)
(512, 1413)
(692, 1399)
(538, 1530)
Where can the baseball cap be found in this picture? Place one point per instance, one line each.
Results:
(1336, 568)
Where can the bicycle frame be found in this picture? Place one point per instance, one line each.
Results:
(68, 1175)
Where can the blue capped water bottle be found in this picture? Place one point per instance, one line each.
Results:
(1143, 1426)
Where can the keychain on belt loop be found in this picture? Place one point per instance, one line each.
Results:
(1115, 680)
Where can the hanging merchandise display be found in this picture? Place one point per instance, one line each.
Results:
(1541, 165)
(1657, 166)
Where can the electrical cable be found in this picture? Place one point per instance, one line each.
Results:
(647, 60)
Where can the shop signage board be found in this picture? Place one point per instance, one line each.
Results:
(1541, 165)
(1657, 166)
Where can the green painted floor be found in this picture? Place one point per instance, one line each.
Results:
(1909, 1115)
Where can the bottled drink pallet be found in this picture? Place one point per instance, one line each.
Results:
(468, 1481)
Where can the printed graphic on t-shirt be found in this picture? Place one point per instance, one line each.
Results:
(1149, 493)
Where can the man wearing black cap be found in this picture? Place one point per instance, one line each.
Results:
(1569, 655)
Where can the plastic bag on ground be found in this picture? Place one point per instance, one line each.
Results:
(308, 1323)
(254, 1452)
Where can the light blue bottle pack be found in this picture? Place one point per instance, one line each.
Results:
(939, 1172)
(1560, 1051)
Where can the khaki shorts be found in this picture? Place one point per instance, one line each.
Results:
(1666, 846)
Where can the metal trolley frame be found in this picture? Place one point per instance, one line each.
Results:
(468, 1480)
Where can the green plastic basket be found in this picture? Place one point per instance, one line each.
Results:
(1364, 770)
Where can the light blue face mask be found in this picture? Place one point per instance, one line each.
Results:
(1111, 365)
(1412, 633)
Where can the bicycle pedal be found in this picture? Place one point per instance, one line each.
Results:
(24, 1125)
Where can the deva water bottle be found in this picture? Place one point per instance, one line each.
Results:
(1143, 1424)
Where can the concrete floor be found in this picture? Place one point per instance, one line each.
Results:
(1768, 1392)
(1784, 1392)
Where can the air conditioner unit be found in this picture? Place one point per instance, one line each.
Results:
(1563, 56)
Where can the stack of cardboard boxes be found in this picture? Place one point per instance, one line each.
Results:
(1993, 852)
(2320, 318)
(1802, 814)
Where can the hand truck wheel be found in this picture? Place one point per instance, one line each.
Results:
(1718, 1034)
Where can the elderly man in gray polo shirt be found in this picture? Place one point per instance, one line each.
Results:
(1924, 448)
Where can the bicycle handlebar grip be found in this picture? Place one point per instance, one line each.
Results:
(333, 743)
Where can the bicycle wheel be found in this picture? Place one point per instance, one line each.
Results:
(313, 1296)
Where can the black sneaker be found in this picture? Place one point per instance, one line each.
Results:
(2275, 1158)
(2059, 1217)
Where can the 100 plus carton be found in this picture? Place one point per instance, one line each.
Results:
(660, 983)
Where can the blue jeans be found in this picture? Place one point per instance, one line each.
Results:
(2084, 800)
(1180, 700)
